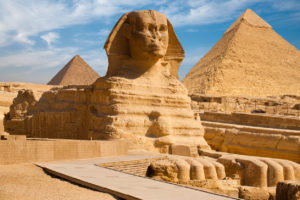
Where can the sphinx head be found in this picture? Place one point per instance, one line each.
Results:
(143, 36)
(147, 33)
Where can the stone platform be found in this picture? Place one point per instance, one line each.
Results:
(16, 150)
(124, 185)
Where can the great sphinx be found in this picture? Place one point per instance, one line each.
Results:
(142, 101)
(140, 98)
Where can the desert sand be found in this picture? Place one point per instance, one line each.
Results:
(29, 182)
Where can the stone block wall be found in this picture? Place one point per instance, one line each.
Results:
(283, 143)
(261, 120)
(24, 151)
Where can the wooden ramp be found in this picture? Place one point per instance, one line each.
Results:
(124, 185)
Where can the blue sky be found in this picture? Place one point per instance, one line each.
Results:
(38, 37)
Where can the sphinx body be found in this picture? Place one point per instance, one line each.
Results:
(140, 98)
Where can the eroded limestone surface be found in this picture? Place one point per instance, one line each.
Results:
(288, 190)
(235, 175)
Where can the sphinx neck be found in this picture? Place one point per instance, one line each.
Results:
(146, 66)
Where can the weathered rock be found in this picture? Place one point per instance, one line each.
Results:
(253, 193)
(9, 91)
(259, 171)
(253, 177)
(237, 133)
(227, 187)
(288, 190)
(185, 169)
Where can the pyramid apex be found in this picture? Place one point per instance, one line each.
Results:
(251, 18)
(75, 72)
(77, 56)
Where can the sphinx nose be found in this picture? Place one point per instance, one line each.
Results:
(156, 35)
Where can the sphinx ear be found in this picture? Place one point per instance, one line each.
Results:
(126, 29)
(175, 52)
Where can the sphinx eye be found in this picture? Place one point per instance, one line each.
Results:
(151, 27)
(163, 28)
(141, 27)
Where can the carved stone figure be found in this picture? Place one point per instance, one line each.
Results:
(140, 98)
(147, 102)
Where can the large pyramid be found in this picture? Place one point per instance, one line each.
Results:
(250, 59)
(75, 72)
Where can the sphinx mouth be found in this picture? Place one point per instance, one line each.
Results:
(154, 47)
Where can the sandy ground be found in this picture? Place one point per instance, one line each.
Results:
(29, 182)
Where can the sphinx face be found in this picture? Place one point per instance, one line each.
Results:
(149, 34)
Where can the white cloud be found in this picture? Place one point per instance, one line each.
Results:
(20, 20)
(22, 37)
(50, 37)
(37, 59)
(286, 5)
(104, 32)
(97, 60)
(204, 11)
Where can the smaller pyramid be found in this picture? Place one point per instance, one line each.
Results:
(75, 72)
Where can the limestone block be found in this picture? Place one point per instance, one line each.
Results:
(220, 169)
(164, 169)
(227, 187)
(288, 169)
(233, 168)
(184, 150)
(197, 170)
(288, 190)
(180, 150)
(186, 168)
(215, 137)
(253, 193)
(24, 151)
(257, 141)
(258, 171)
(183, 170)
(13, 137)
(255, 172)
(275, 172)
(1, 122)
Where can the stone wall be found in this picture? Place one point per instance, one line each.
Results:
(261, 120)
(23, 151)
(253, 134)
(57, 114)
